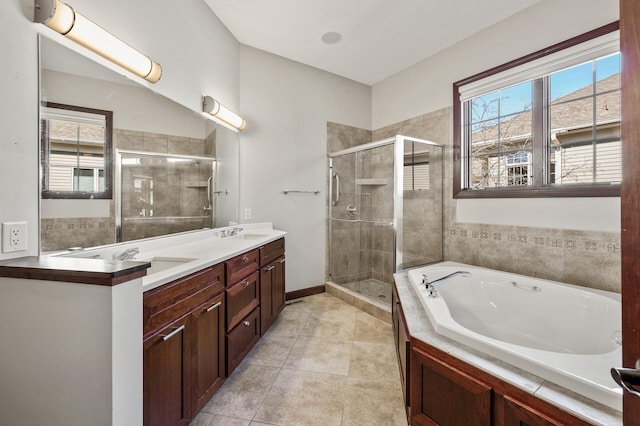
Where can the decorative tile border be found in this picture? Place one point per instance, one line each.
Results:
(594, 242)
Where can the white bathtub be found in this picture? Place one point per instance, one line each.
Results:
(566, 334)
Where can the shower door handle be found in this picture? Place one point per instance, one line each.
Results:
(209, 181)
(335, 175)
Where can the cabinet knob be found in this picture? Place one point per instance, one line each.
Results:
(245, 259)
(246, 323)
(246, 283)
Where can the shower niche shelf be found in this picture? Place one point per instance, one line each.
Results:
(372, 181)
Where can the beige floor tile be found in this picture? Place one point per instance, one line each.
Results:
(333, 324)
(272, 349)
(304, 398)
(319, 355)
(289, 322)
(371, 329)
(374, 361)
(208, 419)
(370, 402)
(243, 392)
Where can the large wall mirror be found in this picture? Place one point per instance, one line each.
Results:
(120, 162)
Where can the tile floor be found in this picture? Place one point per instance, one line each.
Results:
(323, 362)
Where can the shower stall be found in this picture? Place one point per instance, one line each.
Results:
(385, 212)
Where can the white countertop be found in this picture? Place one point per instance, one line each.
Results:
(186, 253)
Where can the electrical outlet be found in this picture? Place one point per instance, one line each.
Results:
(14, 236)
(247, 214)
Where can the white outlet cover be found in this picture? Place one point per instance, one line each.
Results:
(14, 236)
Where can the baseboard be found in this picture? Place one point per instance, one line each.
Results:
(296, 294)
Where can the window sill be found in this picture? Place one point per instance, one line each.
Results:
(603, 190)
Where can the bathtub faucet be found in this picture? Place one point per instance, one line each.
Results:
(431, 285)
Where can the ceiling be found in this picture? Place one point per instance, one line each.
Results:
(379, 37)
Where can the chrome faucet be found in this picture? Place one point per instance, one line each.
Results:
(235, 231)
(430, 286)
(128, 254)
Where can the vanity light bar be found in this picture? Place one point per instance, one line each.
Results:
(64, 19)
(222, 113)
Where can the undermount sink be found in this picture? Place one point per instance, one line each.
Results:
(161, 263)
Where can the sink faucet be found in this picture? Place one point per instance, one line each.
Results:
(128, 254)
(431, 285)
(235, 231)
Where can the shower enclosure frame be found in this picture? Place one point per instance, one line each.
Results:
(398, 192)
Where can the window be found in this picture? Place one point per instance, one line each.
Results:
(544, 125)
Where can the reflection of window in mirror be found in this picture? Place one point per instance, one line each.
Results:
(76, 146)
(416, 170)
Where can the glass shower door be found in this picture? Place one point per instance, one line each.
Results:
(361, 220)
(344, 227)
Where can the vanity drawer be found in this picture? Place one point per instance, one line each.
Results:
(242, 298)
(241, 266)
(241, 339)
(271, 251)
(169, 302)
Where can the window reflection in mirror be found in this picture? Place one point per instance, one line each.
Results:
(76, 152)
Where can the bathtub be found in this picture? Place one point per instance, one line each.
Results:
(566, 334)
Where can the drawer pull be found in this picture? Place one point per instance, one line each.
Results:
(246, 323)
(215, 305)
(246, 283)
(282, 260)
(245, 259)
(269, 268)
(166, 337)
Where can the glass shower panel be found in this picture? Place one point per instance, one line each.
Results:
(422, 221)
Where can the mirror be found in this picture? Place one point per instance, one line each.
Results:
(186, 179)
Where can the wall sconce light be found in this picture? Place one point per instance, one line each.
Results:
(223, 114)
(62, 18)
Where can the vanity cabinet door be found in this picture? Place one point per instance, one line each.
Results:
(209, 351)
(272, 292)
(443, 395)
(167, 375)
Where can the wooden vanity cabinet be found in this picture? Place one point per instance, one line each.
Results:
(272, 283)
(182, 347)
(243, 311)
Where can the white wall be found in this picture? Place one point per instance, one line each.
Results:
(427, 87)
(287, 105)
(198, 55)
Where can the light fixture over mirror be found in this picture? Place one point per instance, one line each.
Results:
(222, 114)
(65, 20)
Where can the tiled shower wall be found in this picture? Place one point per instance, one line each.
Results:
(62, 233)
(585, 258)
